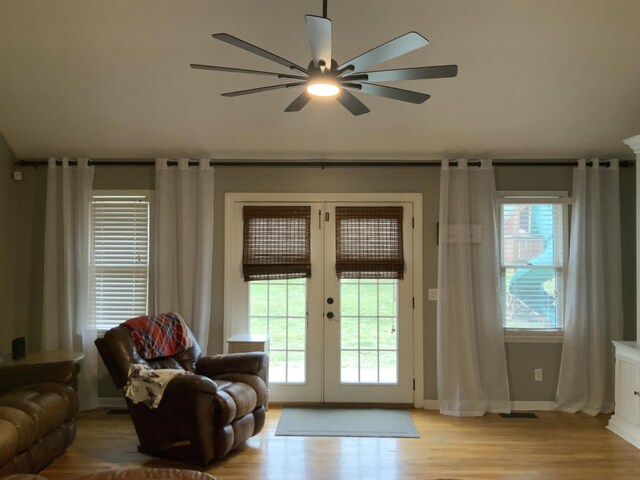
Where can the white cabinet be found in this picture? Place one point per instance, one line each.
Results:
(626, 419)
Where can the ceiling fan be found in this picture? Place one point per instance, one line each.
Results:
(324, 77)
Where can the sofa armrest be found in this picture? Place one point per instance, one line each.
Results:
(250, 362)
(13, 376)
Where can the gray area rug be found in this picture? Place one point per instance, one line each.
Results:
(346, 422)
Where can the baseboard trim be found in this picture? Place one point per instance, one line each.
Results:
(538, 406)
(625, 429)
(431, 405)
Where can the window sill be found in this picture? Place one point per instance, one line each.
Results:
(532, 336)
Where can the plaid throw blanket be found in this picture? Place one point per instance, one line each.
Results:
(160, 335)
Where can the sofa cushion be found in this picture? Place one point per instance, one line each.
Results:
(8, 441)
(47, 410)
(23, 425)
(66, 392)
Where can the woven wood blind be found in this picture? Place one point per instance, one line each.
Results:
(369, 242)
(276, 242)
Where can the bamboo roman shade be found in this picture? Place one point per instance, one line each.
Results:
(276, 242)
(369, 242)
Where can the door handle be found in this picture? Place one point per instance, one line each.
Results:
(330, 315)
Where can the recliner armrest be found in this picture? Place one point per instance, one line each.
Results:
(250, 362)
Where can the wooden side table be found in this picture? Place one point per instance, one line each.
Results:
(251, 343)
(44, 366)
(39, 358)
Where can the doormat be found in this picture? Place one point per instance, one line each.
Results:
(346, 422)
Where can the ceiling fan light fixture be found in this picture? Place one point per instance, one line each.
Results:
(323, 87)
(324, 77)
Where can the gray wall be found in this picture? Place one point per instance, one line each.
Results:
(523, 358)
(7, 246)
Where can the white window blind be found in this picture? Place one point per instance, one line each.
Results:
(533, 232)
(120, 241)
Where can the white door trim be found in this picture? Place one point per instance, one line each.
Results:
(231, 305)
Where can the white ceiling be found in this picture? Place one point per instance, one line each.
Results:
(111, 79)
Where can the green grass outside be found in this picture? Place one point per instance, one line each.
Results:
(367, 316)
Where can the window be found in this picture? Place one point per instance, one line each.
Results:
(276, 262)
(278, 308)
(533, 233)
(120, 250)
(369, 263)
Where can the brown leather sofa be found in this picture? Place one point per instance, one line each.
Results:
(203, 415)
(38, 405)
(131, 474)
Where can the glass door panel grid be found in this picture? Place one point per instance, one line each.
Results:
(368, 331)
(278, 308)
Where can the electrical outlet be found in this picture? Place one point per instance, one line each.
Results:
(538, 374)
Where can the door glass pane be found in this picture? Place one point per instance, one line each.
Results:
(368, 331)
(278, 308)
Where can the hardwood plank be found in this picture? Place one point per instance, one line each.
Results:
(554, 446)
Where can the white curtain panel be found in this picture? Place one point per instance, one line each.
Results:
(472, 369)
(593, 307)
(67, 322)
(184, 243)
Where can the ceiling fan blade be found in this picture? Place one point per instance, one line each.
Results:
(393, 48)
(351, 103)
(236, 42)
(299, 103)
(262, 89)
(418, 73)
(390, 92)
(243, 70)
(319, 30)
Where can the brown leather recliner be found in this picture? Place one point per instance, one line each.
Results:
(201, 417)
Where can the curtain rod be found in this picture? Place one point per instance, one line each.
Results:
(327, 164)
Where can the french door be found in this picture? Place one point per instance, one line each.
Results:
(347, 340)
(368, 326)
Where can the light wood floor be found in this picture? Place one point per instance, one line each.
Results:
(554, 446)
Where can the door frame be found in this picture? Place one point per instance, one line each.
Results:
(235, 315)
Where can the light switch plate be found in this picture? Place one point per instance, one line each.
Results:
(433, 294)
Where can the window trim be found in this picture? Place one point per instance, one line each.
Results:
(527, 335)
(150, 194)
